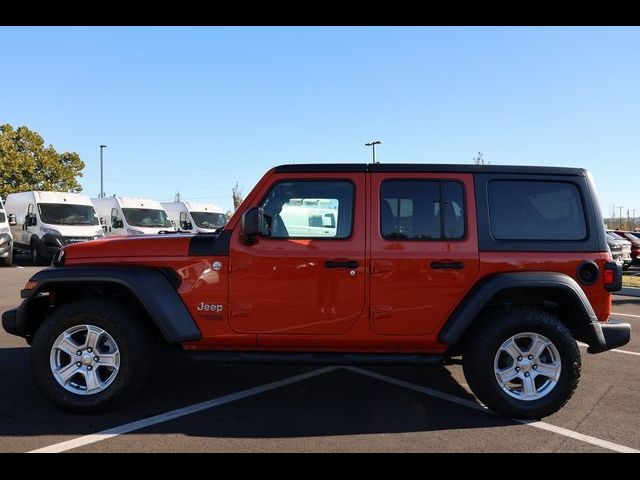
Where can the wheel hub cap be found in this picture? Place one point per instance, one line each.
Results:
(527, 366)
(84, 359)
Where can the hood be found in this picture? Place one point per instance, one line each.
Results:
(71, 230)
(615, 243)
(170, 245)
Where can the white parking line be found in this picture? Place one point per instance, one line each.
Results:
(598, 442)
(626, 352)
(625, 314)
(180, 412)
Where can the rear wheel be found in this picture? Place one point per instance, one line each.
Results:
(91, 354)
(522, 362)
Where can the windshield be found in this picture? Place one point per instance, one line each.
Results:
(67, 214)
(209, 219)
(635, 235)
(146, 217)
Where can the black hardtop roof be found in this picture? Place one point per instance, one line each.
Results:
(427, 167)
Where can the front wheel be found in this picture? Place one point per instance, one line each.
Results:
(522, 362)
(91, 354)
(36, 258)
(8, 260)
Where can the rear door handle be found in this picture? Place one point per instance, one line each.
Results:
(447, 265)
(341, 264)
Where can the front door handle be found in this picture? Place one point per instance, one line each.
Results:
(447, 265)
(341, 264)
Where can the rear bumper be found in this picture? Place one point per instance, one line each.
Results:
(609, 335)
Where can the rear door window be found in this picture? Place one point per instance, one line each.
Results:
(421, 210)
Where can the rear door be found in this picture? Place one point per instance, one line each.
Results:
(424, 249)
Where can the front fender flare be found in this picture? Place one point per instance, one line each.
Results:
(150, 286)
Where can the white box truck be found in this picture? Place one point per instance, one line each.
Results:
(131, 216)
(6, 240)
(195, 217)
(43, 222)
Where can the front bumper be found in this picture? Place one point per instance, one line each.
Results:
(609, 335)
(13, 322)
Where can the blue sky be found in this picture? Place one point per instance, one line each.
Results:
(195, 109)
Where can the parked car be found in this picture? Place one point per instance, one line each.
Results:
(42, 223)
(195, 217)
(6, 240)
(506, 267)
(635, 244)
(131, 216)
(620, 249)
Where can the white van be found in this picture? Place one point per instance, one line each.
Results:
(195, 217)
(43, 222)
(310, 217)
(131, 216)
(6, 240)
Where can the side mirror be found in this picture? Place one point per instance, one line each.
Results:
(251, 224)
(185, 225)
(12, 219)
(32, 220)
(117, 223)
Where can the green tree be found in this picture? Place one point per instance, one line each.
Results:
(27, 164)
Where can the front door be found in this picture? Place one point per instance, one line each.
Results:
(424, 249)
(307, 274)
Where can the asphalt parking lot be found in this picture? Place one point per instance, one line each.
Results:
(196, 407)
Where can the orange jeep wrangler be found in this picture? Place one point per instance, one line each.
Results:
(345, 264)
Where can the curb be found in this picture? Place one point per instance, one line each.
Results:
(629, 292)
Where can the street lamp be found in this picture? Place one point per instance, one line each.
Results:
(373, 145)
(101, 184)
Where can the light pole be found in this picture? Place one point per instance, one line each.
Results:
(101, 184)
(620, 221)
(373, 145)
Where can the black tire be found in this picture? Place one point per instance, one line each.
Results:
(485, 338)
(36, 258)
(136, 343)
(7, 261)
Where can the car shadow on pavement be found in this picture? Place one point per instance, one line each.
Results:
(340, 402)
(626, 301)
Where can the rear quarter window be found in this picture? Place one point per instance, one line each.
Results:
(536, 210)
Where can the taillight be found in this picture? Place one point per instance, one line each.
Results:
(612, 277)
